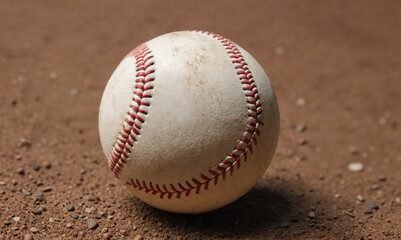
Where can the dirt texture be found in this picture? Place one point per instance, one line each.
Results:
(335, 66)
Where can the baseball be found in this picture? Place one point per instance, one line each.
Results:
(189, 122)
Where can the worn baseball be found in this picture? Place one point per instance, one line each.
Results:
(189, 122)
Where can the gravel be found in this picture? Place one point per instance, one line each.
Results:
(382, 177)
(138, 237)
(367, 211)
(285, 225)
(36, 167)
(39, 196)
(352, 150)
(70, 207)
(20, 171)
(37, 211)
(28, 237)
(25, 192)
(300, 102)
(301, 128)
(355, 167)
(376, 186)
(372, 205)
(46, 164)
(90, 210)
(107, 235)
(299, 233)
(92, 224)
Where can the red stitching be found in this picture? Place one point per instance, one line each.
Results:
(227, 164)
(136, 116)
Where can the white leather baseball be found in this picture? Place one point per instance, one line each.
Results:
(189, 122)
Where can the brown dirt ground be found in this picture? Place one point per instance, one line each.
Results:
(343, 57)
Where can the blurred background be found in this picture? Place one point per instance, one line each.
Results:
(335, 67)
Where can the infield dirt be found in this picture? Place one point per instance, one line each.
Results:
(335, 67)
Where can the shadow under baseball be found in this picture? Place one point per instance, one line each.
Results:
(260, 210)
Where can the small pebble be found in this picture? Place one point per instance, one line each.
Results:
(294, 219)
(36, 167)
(82, 171)
(321, 177)
(298, 233)
(360, 198)
(69, 225)
(90, 210)
(123, 232)
(107, 235)
(98, 216)
(279, 50)
(301, 102)
(367, 211)
(138, 237)
(311, 214)
(37, 211)
(382, 120)
(51, 220)
(70, 207)
(53, 75)
(2, 183)
(352, 150)
(16, 219)
(302, 141)
(301, 128)
(92, 224)
(372, 205)
(24, 143)
(75, 216)
(105, 230)
(397, 199)
(46, 164)
(337, 195)
(25, 192)
(355, 167)
(28, 237)
(20, 171)
(33, 229)
(285, 225)
(382, 178)
(74, 91)
(39, 196)
(47, 189)
(376, 186)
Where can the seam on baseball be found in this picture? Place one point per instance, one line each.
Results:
(123, 147)
(138, 109)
